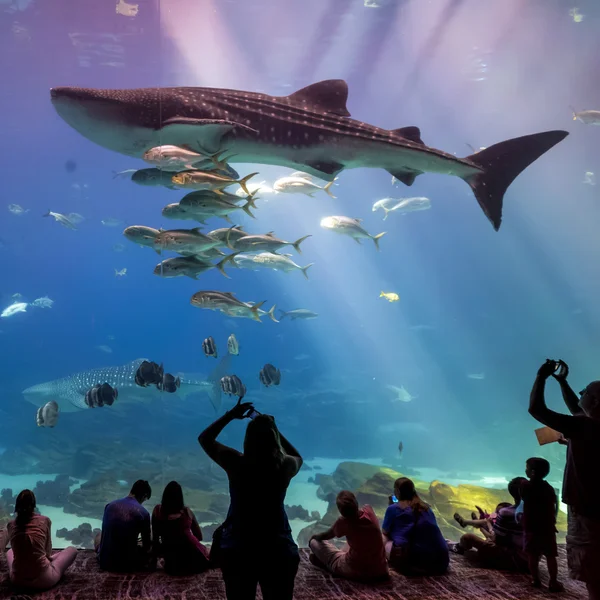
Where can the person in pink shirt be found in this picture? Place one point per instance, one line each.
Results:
(364, 558)
(31, 563)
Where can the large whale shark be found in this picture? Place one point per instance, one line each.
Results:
(309, 130)
(70, 391)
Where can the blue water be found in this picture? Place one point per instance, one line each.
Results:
(472, 301)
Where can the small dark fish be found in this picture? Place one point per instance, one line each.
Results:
(232, 385)
(70, 166)
(169, 383)
(149, 373)
(270, 375)
(210, 347)
(101, 395)
(400, 447)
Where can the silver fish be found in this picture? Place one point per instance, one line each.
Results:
(228, 304)
(189, 266)
(350, 227)
(62, 219)
(141, 235)
(301, 185)
(298, 313)
(589, 117)
(202, 208)
(268, 260)
(184, 241)
(233, 346)
(263, 243)
(208, 180)
(232, 233)
(172, 158)
(401, 205)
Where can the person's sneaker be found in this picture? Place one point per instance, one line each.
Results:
(455, 547)
(556, 587)
(536, 583)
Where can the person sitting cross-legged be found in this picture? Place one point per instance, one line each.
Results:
(364, 559)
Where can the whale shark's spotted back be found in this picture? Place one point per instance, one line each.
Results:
(70, 391)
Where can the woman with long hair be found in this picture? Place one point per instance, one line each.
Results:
(30, 560)
(256, 543)
(414, 543)
(176, 534)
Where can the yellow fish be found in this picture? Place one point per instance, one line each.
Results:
(390, 296)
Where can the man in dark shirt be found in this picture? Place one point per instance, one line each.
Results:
(581, 486)
(124, 521)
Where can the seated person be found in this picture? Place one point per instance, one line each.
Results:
(484, 522)
(176, 535)
(414, 542)
(30, 560)
(364, 559)
(123, 523)
(503, 548)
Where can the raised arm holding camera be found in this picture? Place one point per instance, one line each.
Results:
(581, 486)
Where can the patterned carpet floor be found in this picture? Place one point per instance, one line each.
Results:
(84, 581)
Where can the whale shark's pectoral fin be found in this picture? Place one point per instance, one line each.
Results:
(206, 133)
(324, 170)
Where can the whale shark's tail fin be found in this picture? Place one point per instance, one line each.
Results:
(214, 378)
(501, 164)
(193, 383)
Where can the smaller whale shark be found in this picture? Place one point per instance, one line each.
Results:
(69, 392)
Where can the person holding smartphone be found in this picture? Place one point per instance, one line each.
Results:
(256, 547)
(414, 543)
(581, 485)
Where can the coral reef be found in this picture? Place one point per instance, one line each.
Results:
(373, 485)
(82, 536)
(55, 492)
(7, 500)
(299, 512)
(90, 499)
(114, 458)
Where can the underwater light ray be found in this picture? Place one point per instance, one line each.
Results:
(430, 48)
(344, 305)
(195, 26)
(319, 44)
(376, 34)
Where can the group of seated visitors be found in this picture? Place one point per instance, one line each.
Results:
(176, 535)
(519, 534)
(254, 546)
(125, 543)
(410, 539)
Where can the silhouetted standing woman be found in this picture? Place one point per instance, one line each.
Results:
(257, 546)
